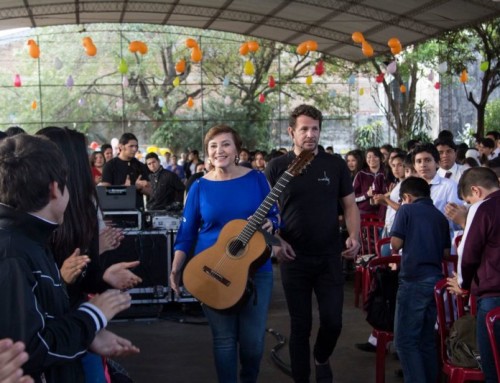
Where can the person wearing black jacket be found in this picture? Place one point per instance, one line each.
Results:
(35, 306)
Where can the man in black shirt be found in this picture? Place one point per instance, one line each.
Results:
(310, 251)
(127, 170)
(166, 187)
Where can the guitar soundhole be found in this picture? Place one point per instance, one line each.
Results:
(235, 247)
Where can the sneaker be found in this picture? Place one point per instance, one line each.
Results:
(367, 347)
(324, 373)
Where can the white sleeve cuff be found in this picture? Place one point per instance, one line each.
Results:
(96, 314)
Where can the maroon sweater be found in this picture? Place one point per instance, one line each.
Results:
(481, 251)
(362, 182)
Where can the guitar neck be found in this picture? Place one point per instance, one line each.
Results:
(261, 213)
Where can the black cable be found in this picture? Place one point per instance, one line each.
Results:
(274, 352)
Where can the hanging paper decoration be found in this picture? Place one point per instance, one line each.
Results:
(225, 82)
(380, 78)
(123, 66)
(89, 46)
(464, 77)
(190, 102)
(228, 100)
(262, 98)
(249, 69)
(94, 145)
(176, 81)
(196, 55)
(312, 45)
(402, 88)
(34, 49)
(443, 67)
(395, 45)
(351, 80)
(191, 43)
(125, 82)
(367, 49)
(307, 46)
(161, 103)
(81, 102)
(180, 66)
(392, 67)
(358, 37)
(271, 82)
(333, 93)
(58, 64)
(430, 77)
(319, 68)
(253, 46)
(70, 82)
(361, 91)
(437, 85)
(244, 49)
(309, 80)
(484, 66)
(34, 105)
(138, 47)
(152, 149)
(17, 81)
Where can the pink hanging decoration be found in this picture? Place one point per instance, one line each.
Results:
(17, 81)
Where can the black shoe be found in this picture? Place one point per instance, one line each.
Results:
(367, 347)
(324, 373)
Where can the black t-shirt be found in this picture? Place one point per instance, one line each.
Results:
(167, 188)
(309, 203)
(115, 172)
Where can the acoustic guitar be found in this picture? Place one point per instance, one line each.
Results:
(218, 275)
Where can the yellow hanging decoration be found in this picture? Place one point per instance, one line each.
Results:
(176, 81)
(249, 69)
(309, 80)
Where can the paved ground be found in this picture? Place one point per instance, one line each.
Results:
(176, 346)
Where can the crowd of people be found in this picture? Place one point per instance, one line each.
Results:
(53, 237)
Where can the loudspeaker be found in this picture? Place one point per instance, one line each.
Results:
(153, 248)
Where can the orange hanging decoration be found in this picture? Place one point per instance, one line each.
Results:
(367, 49)
(191, 43)
(464, 76)
(34, 49)
(402, 88)
(244, 49)
(190, 102)
(196, 55)
(253, 46)
(180, 66)
(358, 37)
(302, 48)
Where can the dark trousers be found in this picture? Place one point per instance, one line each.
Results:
(323, 275)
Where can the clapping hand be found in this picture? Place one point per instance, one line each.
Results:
(73, 266)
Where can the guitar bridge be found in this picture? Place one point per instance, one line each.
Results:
(216, 276)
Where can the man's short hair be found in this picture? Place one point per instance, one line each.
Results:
(14, 131)
(487, 142)
(126, 137)
(416, 187)
(410, 145)
(478, 176)
(105, 147)
(425, 148)
(445, 135)
(28, 165)
(152, 155)
(445, 142)
(305, 110)
(493, 133)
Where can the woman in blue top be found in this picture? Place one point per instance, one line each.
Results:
(226, 193)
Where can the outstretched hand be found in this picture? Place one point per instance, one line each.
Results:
(108, 344)
(12, 357)
(352, 248)
(120, 277)
(111, 302)
(109, 239)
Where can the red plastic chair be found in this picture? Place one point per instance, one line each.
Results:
(455, 374)
(369, 235)
(380, 244)
(491, 318)
(383, 337)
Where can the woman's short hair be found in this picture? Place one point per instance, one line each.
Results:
(219, 129)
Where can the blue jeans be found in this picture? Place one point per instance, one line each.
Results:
(487, 361)
(323, 275)
(415, 337)
(245, 328)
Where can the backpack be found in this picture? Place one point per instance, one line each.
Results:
(380, 305)
(461, 344)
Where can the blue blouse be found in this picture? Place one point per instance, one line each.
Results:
(212, 204)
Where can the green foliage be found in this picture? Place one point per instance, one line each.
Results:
(492, 116)
(421, 123)
(369, 135)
